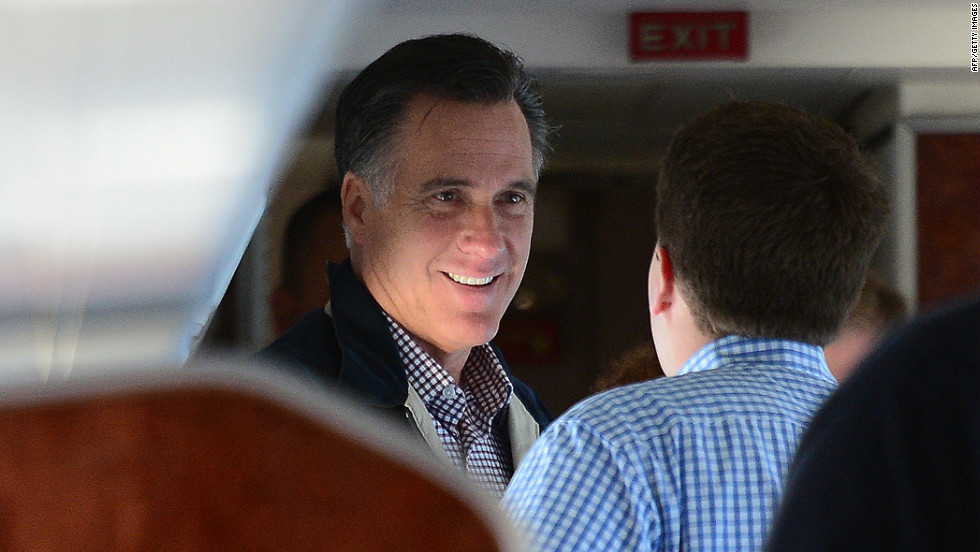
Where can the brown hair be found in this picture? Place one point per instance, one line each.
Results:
(880, 306)
(770, 216)
(639, 363)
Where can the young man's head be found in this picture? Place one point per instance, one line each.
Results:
(766, 221)
(439, 143)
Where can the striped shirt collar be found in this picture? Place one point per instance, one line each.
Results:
(734, 349)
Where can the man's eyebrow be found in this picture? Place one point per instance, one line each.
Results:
(528, 186)
(437, 183)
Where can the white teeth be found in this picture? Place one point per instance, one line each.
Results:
(469, 280)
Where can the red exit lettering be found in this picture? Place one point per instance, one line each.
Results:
(689, 36)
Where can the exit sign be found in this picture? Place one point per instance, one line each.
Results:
(682, 36)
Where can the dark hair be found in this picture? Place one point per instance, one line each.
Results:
(455, 67)
(299, 235)
(770, 216)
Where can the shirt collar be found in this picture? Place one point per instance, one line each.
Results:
(484, 386)
(486, 383)
(734, 349)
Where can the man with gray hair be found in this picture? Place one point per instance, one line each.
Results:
(439, 144)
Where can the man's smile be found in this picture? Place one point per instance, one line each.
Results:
(470, 280)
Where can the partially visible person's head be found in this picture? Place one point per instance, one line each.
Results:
(372, 109)
(639, 363)
(770, 217)
(314, 235)
(440, 142)
(880, 308)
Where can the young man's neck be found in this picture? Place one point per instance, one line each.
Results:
(680, 346)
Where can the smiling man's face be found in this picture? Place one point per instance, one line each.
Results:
(446, 253)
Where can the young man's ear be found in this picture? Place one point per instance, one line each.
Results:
(662, 296)
(355, 195)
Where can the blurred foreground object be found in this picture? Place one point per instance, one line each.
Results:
(217, 457)
(138, 140)
(892, 460)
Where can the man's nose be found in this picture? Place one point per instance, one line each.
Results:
(481, 233)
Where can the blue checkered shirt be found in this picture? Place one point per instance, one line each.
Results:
(692, 462)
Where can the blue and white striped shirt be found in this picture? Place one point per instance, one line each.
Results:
(692, 462)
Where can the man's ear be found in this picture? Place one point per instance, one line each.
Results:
(663, 295)
(356, 197)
